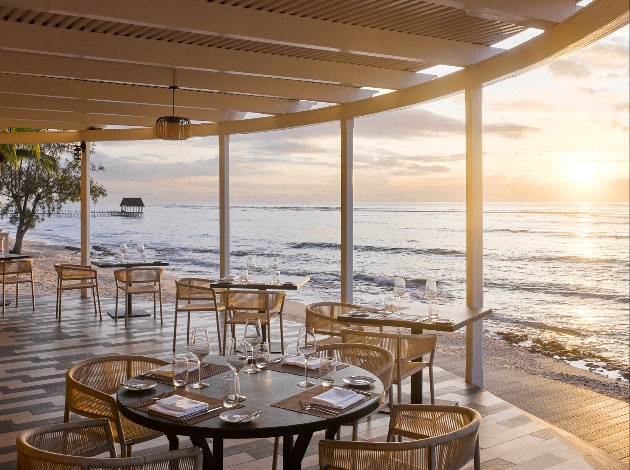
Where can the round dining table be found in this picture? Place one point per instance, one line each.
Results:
(261, 391)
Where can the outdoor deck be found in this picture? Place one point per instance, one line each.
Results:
(36, 352)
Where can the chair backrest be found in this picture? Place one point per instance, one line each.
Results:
(138, 275)
(322, 317)
(22, 266)
(75, 272)
(100, 377)
(194, 289)
(72, 445)
(404, 347)
(254, 300)
(376, 360)
(451, 430)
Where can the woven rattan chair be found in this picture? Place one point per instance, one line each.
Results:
(441, 438)
(72, 446)
(15, 273)
(406, 349)
(322, 317)
(196, 295)
(139, 281)
(89, 388)
(244, 304)
(73, 276)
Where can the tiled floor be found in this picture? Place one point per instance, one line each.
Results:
(35, 352)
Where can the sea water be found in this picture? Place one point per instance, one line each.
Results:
(552, 271)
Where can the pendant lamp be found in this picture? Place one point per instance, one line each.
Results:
(172, 127)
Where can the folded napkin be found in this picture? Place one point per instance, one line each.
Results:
(166, 371)
(339, 398)
(313, 362)
(177, 406)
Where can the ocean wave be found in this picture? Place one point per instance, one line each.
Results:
(378, 249)
(538, 325)
(562, 290)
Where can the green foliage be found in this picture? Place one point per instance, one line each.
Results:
(34, 186)
(12, 153)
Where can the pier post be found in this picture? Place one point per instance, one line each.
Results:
(85, 209)
(224, 204)
(474, 232)
(347, 208)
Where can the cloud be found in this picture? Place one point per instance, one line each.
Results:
(524, 105)
(412, 123)
(568, 68)
(509, 130)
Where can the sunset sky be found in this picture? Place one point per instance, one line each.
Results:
(558, 133)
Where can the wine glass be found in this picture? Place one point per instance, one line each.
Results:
(399, 288)
(306, 346)
(252, 337)
(431, 292)
(199, 347)
(123, 250)
(251, 264)
(234, 358)
(141, 254)
(273, 266)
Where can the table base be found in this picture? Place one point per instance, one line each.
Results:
(136, 313)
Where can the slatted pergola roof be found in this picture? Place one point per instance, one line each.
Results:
(83, 64)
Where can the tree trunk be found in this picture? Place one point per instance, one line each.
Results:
(19, 236)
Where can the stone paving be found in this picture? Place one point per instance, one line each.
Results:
(36, 351)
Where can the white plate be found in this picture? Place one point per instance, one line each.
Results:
(359, 380)
(138, 385)
(235, 416)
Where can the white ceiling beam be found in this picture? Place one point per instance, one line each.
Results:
(76, 118)
(78, 105)
(40, 124)
(84, 69)
(240, 23)
(44, 86)
(55, 41)
(541, 14)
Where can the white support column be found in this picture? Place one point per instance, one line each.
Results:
(86, 245)
(474, 232)
(347, 208)
(224, 204)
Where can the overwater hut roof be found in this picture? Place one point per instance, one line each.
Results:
(132, 202)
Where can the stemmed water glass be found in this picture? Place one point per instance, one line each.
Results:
(273, 266)
(142, 254)
(199, 347)
(235, 359)
(251, 264)
(399, 288)
(431, 292)
(306, 346)
(123, 250)
(252, 337)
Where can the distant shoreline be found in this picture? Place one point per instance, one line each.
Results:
(497, 352)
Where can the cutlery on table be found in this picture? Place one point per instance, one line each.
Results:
(199, 413)
(321, 409)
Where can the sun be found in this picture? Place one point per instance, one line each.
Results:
(583, 173)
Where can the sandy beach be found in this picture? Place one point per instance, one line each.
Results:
(497, 352)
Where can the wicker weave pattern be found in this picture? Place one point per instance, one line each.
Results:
(16, 272)
(322, 317)
(406, 350)
(244, 304)
(72, 445)
(197, 295)
(90, 384)
(446, 439)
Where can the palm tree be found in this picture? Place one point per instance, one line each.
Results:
(12, 153)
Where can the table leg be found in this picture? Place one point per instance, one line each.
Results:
(294, 460)
(217, 450)
(331, 433)
(173, 441)
(287, 448)
(416, 379)
(129, 305)
(208, 458)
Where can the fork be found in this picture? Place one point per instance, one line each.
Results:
(321, 409)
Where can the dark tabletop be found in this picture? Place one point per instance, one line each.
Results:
(261, 391)
(130, 264)
(462, 315)
(11, 257)
(263, 283)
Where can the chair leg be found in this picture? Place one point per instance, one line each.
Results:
(431, 384)
(391, 397)
(188, 329)
(17, 288)
(355, 431)
(98, 299)
(218, 330)
(399, 391)
(116, 309)
(32, 293)
(3, 298)
(126, 308)
(57, 301)
(154, 307)
(160, 295)
(175, 329)
(94, 301)
(477, 455)
(60, 295)
(281, 337)
(274, 461)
